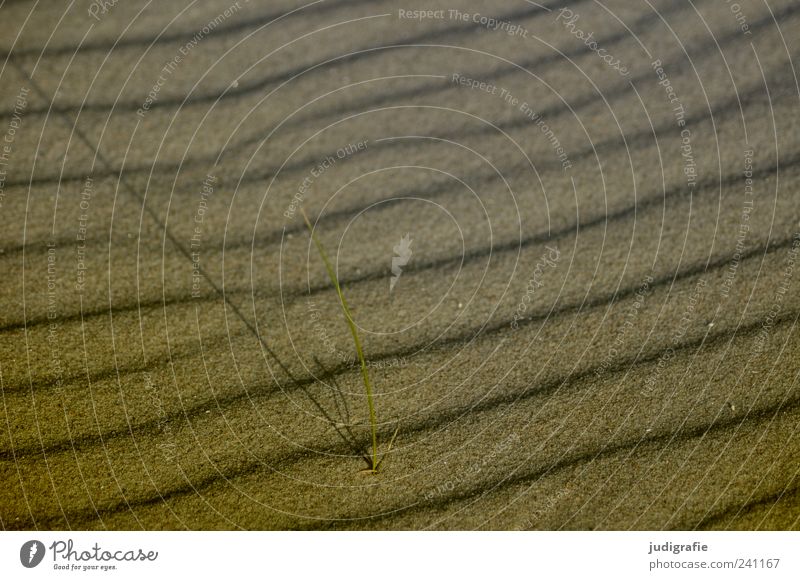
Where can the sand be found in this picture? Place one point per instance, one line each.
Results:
(592, 323)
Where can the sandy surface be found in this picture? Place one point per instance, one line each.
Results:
(595, 326)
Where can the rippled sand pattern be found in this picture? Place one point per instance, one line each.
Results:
(568, 233)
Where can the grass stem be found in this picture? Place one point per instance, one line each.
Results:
(354, 332)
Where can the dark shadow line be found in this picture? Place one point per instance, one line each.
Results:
(154, 303)
(83, 378)
(175, 37)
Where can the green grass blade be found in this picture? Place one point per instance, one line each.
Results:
(354, 332)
